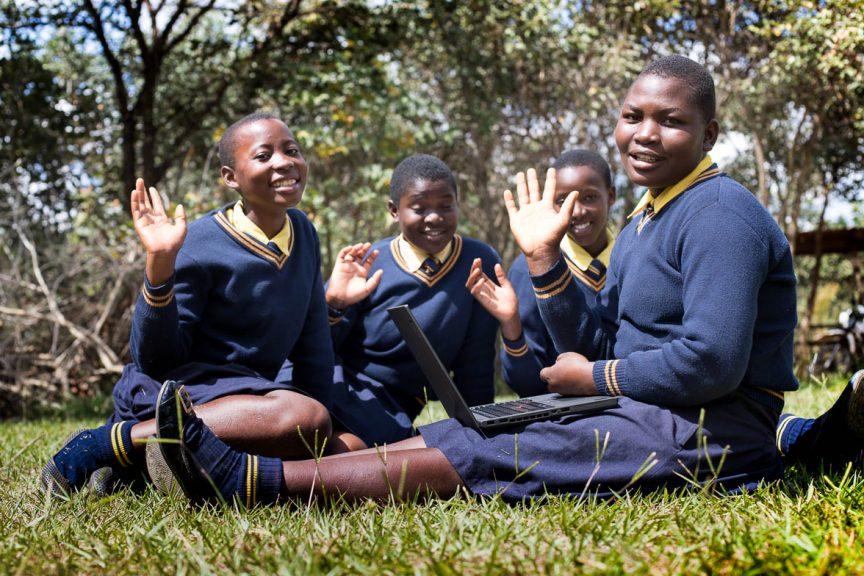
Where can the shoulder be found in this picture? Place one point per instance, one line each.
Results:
(478, 249)
(301, 221)
(725, 205)
(519, 267)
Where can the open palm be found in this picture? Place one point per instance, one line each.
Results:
(350, 282)
(158, 233)
(537, 225)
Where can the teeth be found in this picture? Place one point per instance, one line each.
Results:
(582, 226)
(645, 157)
(284, 182)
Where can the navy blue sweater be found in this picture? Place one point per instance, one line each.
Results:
(234, 300)
(522, 359)
(460, 330)
(699, 304)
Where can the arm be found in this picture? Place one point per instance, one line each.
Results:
(157, 342)
(349, 284)
(312, 355)
(723, 264)
(474, 366)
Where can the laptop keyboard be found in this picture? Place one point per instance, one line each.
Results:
(509, 408)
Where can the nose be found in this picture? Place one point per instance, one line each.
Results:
(433, 217)
(578, 209)
(646, 131)
(282, 160)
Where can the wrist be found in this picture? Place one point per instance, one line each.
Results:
(160, 267)
(542, 260)
(511, 329)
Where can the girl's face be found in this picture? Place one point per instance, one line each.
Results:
(427, 214)
(269, 170)
(591, 211)
(660, 133)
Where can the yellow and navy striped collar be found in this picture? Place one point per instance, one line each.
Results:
(658, 199)
(406, 259)
(582, 259)
(254, 245)
(413, 256)
(237, 217)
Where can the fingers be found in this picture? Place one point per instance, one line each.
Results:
(510, 204)
(549, 188)
(533, 186)
(503, 281)
(566, 211)
(522, 189)
(374, 281)
(371, 259)
(180, 215)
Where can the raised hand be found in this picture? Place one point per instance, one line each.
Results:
(350, 282)
(161, 236)
(498, 299)
(537, 225)
(571, 375)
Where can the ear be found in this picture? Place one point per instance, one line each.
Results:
(712, 131)
(613, 194)
(229, 177)
(393, 209)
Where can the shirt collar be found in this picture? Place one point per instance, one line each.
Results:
(583, 259)
(660, 198)
(243, 224)
(414, 256)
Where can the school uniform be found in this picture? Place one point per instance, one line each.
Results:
(239, 304)
(523, 358)
(693, 333)
(379, 389)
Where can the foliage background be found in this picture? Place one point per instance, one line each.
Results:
(96, 92)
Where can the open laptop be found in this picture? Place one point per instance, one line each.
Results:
(486, 416)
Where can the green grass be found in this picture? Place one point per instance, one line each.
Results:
(808, 526)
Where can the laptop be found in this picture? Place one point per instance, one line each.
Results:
(486, 417)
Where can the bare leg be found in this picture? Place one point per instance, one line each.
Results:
(401, 471)
(281, 424)
(342, 442)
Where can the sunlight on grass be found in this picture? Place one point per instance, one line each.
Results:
(809, 525)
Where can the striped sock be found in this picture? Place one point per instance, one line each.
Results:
(108, 445)
(237, 475)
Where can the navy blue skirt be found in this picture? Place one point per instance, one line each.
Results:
(633, 446)
(135, 393)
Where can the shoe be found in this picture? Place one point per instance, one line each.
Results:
(52, 480)
(855, 407)
(170, 464)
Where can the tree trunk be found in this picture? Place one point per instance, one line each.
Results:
(807, 320)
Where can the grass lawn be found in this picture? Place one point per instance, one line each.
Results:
(809, 525)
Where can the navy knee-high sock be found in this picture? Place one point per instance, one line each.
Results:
(247, 478)
(108, 445)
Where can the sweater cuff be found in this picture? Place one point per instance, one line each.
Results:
(334, 316)
(515, 348)
(608, 377)
(158, 296)
(553, 281)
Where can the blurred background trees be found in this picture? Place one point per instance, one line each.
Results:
(94, 93)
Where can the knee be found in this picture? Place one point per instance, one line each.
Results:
(303, 416)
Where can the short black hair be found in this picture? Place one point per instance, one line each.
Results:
(228, 142)
(691, 73)
(419, 167)
(581, 157)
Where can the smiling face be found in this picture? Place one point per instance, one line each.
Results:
(588, 222)
(427, 214)
(661, 134)
(269, 171)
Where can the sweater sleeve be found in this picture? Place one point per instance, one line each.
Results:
(723, 265)
(165, 318)
(522, 359)
(474, 366)
(312, 355)
(575, 325)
